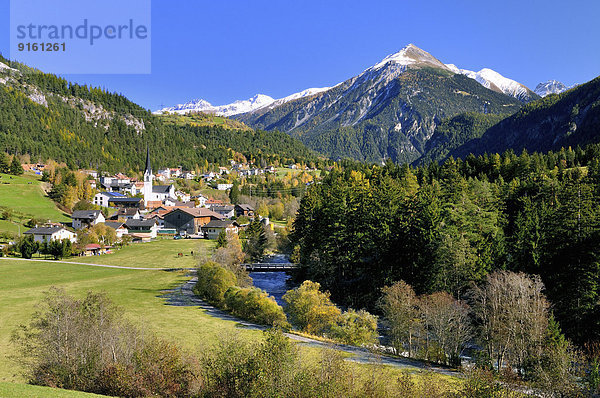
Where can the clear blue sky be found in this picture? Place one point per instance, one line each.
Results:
(223, 51)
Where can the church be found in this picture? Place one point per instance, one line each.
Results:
(154, 193)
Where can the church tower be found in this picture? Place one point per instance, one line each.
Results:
(148, 179)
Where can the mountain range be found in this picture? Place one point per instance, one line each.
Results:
(47, 117)
(389, 111)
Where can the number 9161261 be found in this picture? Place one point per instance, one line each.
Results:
(42, 47)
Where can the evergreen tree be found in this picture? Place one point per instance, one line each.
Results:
(234, 193)
(15, 167)
(4, 163)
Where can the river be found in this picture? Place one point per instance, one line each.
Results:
(274, 283)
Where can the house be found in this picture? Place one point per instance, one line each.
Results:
(125, 202)
(119, 228)
(189, 220)
(47, 234)
(210, 201)
(200, 200)
(178, 203)
(224, 187)
(102, 198)
(213, 229)
(91, 173)
(86, 218)
(182, 196)
(94, 249)
(142, 229)
(244, 210)
(154, 204)
(225, 211)
(127, 213)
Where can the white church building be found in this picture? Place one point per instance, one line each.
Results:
(153, 193)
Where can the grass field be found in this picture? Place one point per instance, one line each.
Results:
(22, 285)
(13, 390)
(24, 195)
(162, 253)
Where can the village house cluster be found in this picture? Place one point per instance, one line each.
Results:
(143, 210)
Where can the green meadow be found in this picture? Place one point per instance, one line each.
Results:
(138, 293)
(13, 390)
(162, 253)
(24, 196)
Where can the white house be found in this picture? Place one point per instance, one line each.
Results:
(119, 228)
(215, 227)
(224, 187)
(86, 218)
(47, 234)
(225, 211)
(143, 228)
(182, 196)
(102, 198)
(201, 200)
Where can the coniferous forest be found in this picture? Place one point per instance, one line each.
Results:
(47, 117)
(446, 227)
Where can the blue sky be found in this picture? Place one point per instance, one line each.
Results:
(223, 51)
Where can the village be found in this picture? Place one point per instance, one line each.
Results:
(139, 211)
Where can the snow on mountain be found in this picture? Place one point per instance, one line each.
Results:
(495, 81)
(550, 87)
(200, 105)
(409, 55)
(259, 101)
(382, 72)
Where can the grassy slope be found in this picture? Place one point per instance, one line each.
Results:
(204, 120)
(158, 254)
(138, 292)
(24, 195)
(12, 390)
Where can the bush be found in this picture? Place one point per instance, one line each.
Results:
(255, 305)
(355, 328)
(311, 310)
(85, 345)
(158, 369)
(213, 282)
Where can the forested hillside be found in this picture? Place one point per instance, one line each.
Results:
(451, 133)
(444, 228)
(558, 120)
(47, 117)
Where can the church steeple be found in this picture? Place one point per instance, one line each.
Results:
(148, 179)
(148, 167)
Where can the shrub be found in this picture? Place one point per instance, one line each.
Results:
(84, 344)
(311, 310)
(355, 328)
(213, 282)
(255, 305)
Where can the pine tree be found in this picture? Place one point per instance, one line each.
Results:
(15, 167)
(4, 163)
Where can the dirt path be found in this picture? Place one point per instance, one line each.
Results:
(184, 296)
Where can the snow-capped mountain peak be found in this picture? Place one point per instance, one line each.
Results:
(259, 101)
(550, 87)
(409, 55)
(495, 81)
(200, 105)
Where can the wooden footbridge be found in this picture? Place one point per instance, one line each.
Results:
(270, 267)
